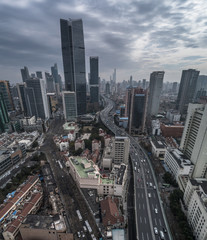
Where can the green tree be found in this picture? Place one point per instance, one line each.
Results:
(88, 144)
(78, 152)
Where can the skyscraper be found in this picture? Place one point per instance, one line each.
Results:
(155, 88)
(186, 90)
(69, 106)
(194, 138)
(3, 114)
(21, 93)
(50, 83)
(37, 93)
(39, 74)
(5, 89)
(137, 110)
(25, 74)
(94, 80)
(73, 53)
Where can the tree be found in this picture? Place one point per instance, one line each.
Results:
(88, 144)
(78, 152)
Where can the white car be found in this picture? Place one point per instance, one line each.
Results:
(156, 211)
(156, 231)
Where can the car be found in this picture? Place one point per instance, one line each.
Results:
(79, 235)
(164, 230)
(150, 184)
(155, 230)
(162, 235)
(154, 187)
(156, 211)
(149, 195)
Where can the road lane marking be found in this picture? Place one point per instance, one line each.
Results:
(143, 206)
(145, 220)
(160, 222)
(142, 235)
(140, 219)
(155, 221)
(147, 236)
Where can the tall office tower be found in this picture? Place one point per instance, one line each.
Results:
(138, 110)
(39, 74)
(54, 71)
(94, 80)
(69, 106)
(5, 89)
(114, 76)
(107, 89)
(131, 82)
(194, 138)
(4, 119)
(31, 104)
(128, 101)
(73, 53)
(155, 88)
(186, 90)
(25, 74)
(60, 82)
(174, 87)
(201, 86)
(121, 150)
(50, 83)
(22, 99)
(144, 83)
(38, 95)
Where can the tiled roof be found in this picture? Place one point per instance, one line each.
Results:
(110, 212)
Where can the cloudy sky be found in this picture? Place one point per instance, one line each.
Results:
(135, 37)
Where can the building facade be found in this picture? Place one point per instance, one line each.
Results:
(69, 106)
(25, 74)
(186, 90)
(73, 53)
(121, 147)
(5, 89)
(194, 138)
(94, 80)
(155, 88)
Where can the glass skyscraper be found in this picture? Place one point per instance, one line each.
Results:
(73, 53)
(94, 80)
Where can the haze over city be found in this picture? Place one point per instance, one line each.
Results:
(135, 37)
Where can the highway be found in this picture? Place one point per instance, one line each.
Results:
(149, 214)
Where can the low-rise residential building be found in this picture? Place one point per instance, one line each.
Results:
(44, 228)
(158, 147)
(195, 199)
(155, 127)
(178, 164)
(96, 145)
(172, 130)
(173, 115)
(79, 143)
(111, 215)
(107, 140)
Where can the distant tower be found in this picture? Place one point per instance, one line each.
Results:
(114, 76)
(187, 89)
(174, 87)
(155, 88)
(39, 74)
(36, 93)
(4, 119)
(50, 83)
(138, 110)
(73, 53)
(107, 90)
(22, 99)
(94, 80)
(25, 74)
(5, 89)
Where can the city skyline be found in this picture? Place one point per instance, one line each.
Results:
(136, 38)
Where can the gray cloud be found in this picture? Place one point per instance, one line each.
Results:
(136, 37)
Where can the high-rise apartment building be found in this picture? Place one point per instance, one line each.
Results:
(107, 88)
(137, 109)
(5, 89)
(155, 88)
(36, 95)
(186, 90)
(69, 105)
(94, 80)
(73, 53)
(25, 74)
(121, 147)
(4, 119)
(194, 138)
(50, 83)
(39, 74)
(22, 99)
